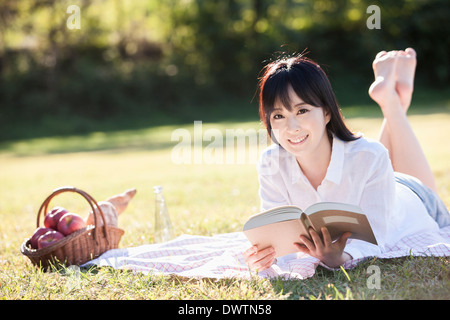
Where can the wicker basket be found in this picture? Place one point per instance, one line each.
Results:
(79, 247)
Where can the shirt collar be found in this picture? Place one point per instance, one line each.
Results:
(334, 171)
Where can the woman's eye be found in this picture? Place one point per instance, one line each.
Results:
(277, 116)
(302, 111)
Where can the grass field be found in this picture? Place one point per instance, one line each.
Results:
(203, 199)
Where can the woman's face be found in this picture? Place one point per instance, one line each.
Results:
(301, 131)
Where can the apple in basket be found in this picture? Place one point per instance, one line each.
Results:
(70, 222)
(37, 233)
(49, 238)
(52, 217)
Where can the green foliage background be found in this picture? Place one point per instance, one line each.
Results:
(144, 62)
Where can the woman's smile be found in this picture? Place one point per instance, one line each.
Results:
(298, 140)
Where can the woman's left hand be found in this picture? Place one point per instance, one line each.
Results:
(330, 253)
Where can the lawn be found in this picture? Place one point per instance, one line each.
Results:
(203, 198)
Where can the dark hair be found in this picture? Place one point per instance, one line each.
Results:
(309, 82)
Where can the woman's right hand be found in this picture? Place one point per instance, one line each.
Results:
(258, 260)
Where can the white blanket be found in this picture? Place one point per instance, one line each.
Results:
(220, 256)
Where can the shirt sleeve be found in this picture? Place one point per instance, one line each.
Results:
(377, 202)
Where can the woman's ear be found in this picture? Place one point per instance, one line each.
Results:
(327, 115)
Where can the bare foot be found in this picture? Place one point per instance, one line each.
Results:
(405, 69)
(382, 90)
(120, 201)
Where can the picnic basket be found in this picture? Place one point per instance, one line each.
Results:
(79, 247)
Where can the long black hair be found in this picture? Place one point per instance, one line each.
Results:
(309, 82)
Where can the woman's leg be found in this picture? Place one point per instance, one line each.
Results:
(404, 82)
(392, 90)
(383, 69)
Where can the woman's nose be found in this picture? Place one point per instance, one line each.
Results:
(293, 123)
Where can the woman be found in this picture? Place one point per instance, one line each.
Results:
(317, 158)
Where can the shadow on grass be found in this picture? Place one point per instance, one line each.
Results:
(141, 134)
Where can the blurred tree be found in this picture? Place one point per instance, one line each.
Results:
(155, 57)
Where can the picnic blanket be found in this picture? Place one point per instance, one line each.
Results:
(220, 256)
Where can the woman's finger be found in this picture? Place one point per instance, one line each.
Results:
(326, 237)
(265, 262)
(308, 243)
(302, 248)
(343, 239)
(260, 254)
(316, 238)
(262, 260)
(250, 251)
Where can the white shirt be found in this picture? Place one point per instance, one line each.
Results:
(360, 173)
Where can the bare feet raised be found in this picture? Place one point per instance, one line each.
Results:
(405, 69)
(121, 201)
(394, 78)
(382, 90)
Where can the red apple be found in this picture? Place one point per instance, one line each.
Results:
(49, 238)
(37, 233)
(52, 217)
(70, 222)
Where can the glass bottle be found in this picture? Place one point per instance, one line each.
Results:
(163, 226)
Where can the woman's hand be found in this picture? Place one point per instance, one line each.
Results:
(258, 260)
(330, 253)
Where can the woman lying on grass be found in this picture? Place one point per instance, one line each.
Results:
(317, 158)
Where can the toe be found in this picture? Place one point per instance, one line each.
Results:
(410, 51)
(380, 54)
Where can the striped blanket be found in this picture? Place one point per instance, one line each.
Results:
(220, 256)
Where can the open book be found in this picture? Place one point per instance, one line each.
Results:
(281, 227)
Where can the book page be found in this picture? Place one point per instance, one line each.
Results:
(273, 215)
(323, 206)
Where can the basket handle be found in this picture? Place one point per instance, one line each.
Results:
(93, 204)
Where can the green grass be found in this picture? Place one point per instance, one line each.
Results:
(202, 199)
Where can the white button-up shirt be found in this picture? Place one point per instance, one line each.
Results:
(360, 173)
